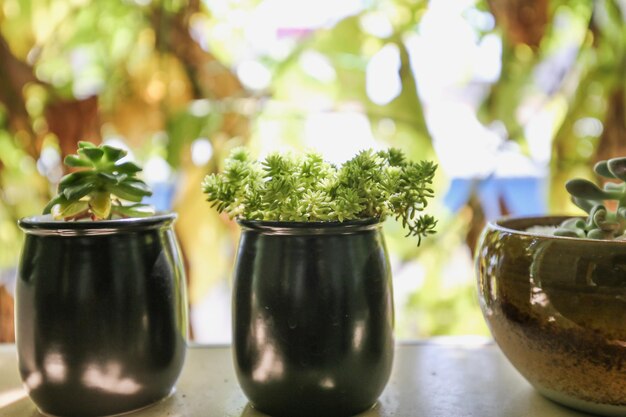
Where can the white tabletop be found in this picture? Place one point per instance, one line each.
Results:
(430, 379)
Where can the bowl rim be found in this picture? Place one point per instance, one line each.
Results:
(311, 228)
(506, 224)
(45, 224)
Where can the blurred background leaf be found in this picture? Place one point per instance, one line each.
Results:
(510, 97)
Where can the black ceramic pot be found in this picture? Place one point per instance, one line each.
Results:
(312, 317)
(101, 314)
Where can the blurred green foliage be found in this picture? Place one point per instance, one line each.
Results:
(157, 75)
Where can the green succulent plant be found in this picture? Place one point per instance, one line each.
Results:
(308, 189)
(601, 222)
(95, 189)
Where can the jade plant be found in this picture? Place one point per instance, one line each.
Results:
(96, 189)
(305, 188)
(604, 221)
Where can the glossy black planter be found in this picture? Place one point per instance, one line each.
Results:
(101, 314)
(312, 317)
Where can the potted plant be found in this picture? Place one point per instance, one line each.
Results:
(312, 296)
(101, 313)
(553, 292)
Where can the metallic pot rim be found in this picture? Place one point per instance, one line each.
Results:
(46, 225)
(518, 226)
(311, 228)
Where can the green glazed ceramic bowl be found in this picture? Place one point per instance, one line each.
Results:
(556, 306)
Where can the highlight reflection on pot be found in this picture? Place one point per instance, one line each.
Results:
(268, 364)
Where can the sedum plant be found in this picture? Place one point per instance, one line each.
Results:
(601, 222)
(308, 189)
(96, 189)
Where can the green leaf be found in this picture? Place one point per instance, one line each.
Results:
(574, 223)
(94, 154)
(113, 154)
(137, 185)
(56, 200)
(135, 210)
(613, 187)
(602, 168)
(617, 166)
(125, 194)
(77, 161)
(128, 168)
(107, 178)
(100, 204)
(71, 209)
(597, 216)
(569, 232)
(76, 192)
(74, 178)
(583, 204)
(131, 190)
(599, 234)
(582, 188)
(84, 145)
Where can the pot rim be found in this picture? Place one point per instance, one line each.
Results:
(46, 225)
(518, 224)
(311, 228)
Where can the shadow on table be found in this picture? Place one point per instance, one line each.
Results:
(536, 404)
(528, 402)
(375, 411)
(22, 408)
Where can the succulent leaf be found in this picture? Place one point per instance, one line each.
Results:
(617, 166)
(89, 192)
(100, 204)
(601, 222)
(135, 210)
(306, 188)
(128, 168)
(105, 177)
(93, 154)
(575, 222)
(136, 186)
(74, 208)
(602, 168)
(565, 232)
(586, 205)
(76, 192)
(76, 161)
(599, 234)
(75, 177)
(114, 154)
(585, 189)
(612, 187)
(126, 194)
(55, 201)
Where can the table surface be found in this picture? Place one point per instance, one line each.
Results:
(464, 378)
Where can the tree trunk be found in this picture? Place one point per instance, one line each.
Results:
(613, 139)
(7, 333)
(523, 21)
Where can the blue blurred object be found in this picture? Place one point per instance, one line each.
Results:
(7, 279)
(162, 195)
(522, 196)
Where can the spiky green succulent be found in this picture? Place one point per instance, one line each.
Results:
(308, 189)
(96, 189)
(601, 222)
